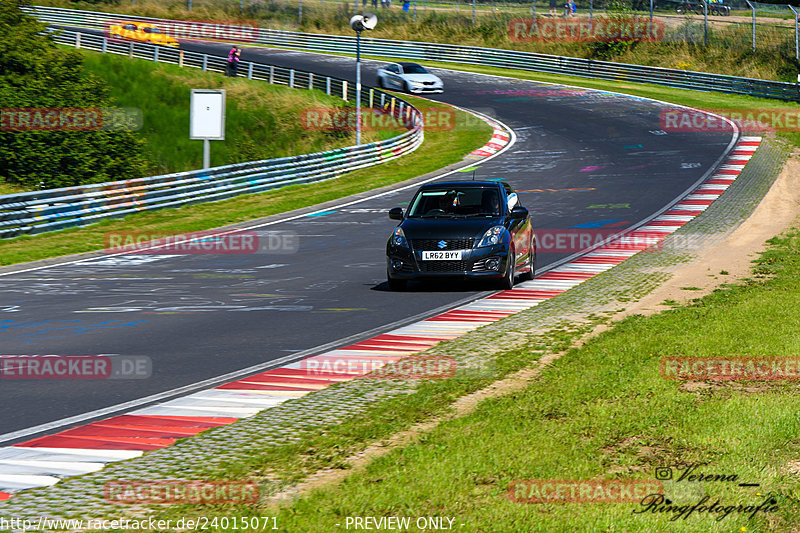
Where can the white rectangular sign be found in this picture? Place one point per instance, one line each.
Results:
(207, 114)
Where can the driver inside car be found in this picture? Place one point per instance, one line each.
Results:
(490, 203)
(447, 204)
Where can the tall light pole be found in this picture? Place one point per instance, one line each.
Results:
(705, 23)
(359, 23)
(796, 48)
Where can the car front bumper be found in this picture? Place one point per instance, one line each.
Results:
(426, 90)
(405, 264)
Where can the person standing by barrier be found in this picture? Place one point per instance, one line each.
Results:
(553, 8)
(233, 61)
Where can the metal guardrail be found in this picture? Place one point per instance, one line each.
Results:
(53, 209)
(588, 68)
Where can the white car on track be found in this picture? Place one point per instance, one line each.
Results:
(409, 77)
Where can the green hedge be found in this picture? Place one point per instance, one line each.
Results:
(34, 73)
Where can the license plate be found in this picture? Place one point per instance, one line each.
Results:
(452, 255)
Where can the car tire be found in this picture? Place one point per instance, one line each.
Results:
(380, 82)
(507, 283)
(530, 272)
(406, 87)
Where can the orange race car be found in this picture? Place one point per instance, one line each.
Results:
(142, 32)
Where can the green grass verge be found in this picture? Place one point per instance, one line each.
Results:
(603, 411)
(262, 121)
(9, 188)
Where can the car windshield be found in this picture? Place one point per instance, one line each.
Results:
(456, 202)
(414, 69)
(152, 30)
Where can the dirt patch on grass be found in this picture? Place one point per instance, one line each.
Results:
(731, 260)
(710, 387)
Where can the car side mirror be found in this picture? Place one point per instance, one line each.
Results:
(396, 213)
(518, 213)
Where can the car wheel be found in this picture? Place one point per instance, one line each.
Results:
(380, 82)
(406, 87)
(507, 283)
(395, 285)
(530, 272)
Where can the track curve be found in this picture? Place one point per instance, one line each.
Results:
(201, 316)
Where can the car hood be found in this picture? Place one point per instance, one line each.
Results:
(421, 77)
(448, 228)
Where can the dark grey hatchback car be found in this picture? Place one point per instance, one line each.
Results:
(463, 230)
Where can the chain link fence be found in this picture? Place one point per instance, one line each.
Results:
(753, 23)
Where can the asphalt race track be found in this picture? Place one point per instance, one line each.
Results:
(582, 159)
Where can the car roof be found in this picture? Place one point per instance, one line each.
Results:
(464, 183)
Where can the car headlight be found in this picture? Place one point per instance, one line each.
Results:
(492, 236)
(399, 238)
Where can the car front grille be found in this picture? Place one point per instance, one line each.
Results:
(433, 244)
(443, 266)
